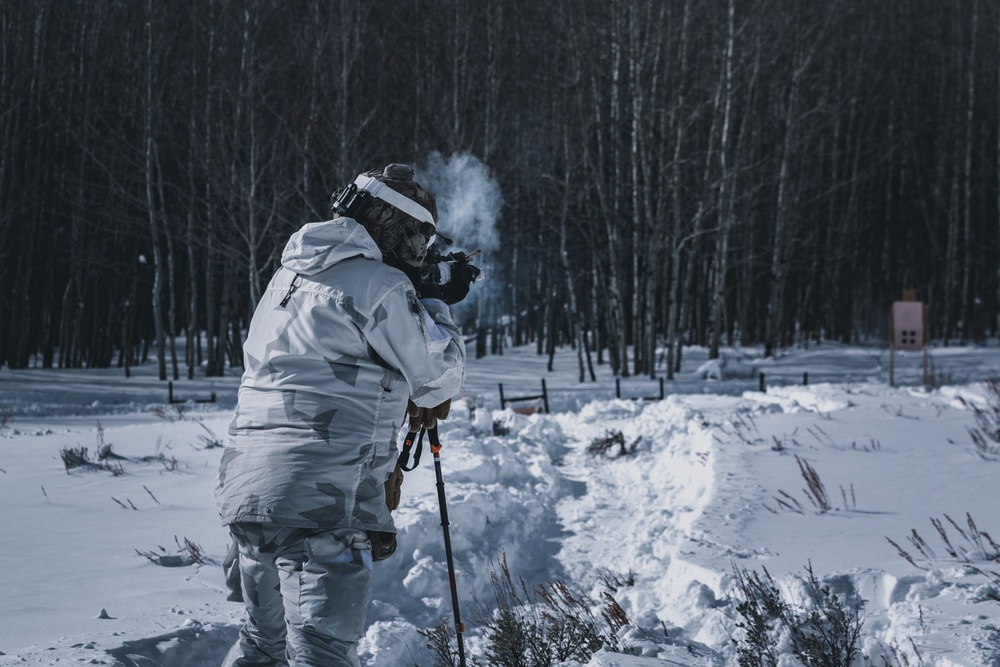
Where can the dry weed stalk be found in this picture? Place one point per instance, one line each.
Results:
(544, 625)
(823, 629)
(921, 545)
(746, 428)
(854, 500)
(785, 503)
(986, 433)
(614, 615)
(904, 554)
(188, 553)
(815, 490)
(980, 546)
(211, 441)
(79, 457)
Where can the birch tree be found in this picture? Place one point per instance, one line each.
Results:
(149, 178)
(725, 204)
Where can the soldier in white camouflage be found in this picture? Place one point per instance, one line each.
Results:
(343, 336)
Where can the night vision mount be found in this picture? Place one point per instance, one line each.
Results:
(351, 202)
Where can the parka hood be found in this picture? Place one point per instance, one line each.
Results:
(320, 245)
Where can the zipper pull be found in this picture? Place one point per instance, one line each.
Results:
(291, 290)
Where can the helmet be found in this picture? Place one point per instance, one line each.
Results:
(399, 213)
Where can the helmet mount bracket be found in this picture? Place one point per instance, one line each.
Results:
(352, 202)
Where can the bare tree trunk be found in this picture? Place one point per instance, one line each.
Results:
(967, 218)
(721, 261)
(192, 334)
(612, 223)
(607, 277)
(605, 172)
(782, 216)
(494, 51)
(128, 319)
(675, 243)
(70, 334)
(191, 347)
(655, 163)
(171, 270)
(154, 232)
(318, 50)
(251, 231)
(636, 94)
(541, 289)
(576, 318)
(951, 260)
(514, 293)
(225, 314)
(595, 310)
(212, 320)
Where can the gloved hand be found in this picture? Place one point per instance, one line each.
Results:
(426, 417)
(394, 488)
(425, 290)
(419, 418)
(463, 275)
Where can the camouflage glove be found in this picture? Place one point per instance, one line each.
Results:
(426, 417)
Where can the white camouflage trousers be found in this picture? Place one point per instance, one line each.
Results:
(306, 593)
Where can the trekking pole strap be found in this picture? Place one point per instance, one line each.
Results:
(404, 456)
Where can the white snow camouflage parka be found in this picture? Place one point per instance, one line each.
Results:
(329, 368)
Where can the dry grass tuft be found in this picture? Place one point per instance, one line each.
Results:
(547, 624)
(974, 548)
(986, 433)
(611, 440)
(187, 553)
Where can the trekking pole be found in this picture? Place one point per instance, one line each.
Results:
(432, 434)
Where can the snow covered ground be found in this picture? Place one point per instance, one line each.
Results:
(93, 562)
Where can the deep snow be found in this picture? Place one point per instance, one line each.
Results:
(708, 488)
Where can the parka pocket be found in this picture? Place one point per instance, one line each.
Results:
(389, 413)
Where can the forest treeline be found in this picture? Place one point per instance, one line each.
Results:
(673, 171)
